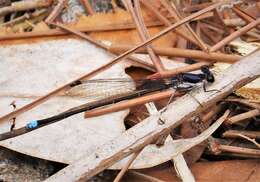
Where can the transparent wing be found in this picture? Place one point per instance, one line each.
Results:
(102, 88)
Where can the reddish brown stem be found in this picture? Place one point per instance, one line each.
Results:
(87, 7)
(239, 150)
(234, 134)
(243, 116)
(144, 35)
(56, 11)
(183, 69)
(131, 103)
(243, 15)
(164, 20)
(178, 52)
(174, 12)
(235, 35)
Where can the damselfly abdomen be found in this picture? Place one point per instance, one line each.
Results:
(130, 89)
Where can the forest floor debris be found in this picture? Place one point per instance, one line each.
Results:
(162, 44)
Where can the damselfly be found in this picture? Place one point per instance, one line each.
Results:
(182, 82)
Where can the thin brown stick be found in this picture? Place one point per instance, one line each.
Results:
(144, 35)
(243, 15)
(249, 139)
(245, 102)
(243, 116)
(233, 134)
(104, 46)
(196, 7)
(164, 20)
(26, 16)
(235, 35)
(258, 5)
(24, 6)
(58, 32)
(125, 168)
(104, 67)
(87, 6)
(208, 34)
(174, 12)
(178, 52)
(56, 11)
(144, 177)
(131, 103)
(239, 150)
(192, 67)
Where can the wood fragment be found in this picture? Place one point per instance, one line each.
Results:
(245, 102)
(249, 139)
(189, 68)
(239, 150)
(196, 7)
(178, 52)
(26, 16)
(86, 28)
(131, 103)
(25, 5)
(143, 33)
(144, 177)
(233, 134)
(124, 170)
(174, 12)
(245, 16)
(243, 116)
(182, 169)
(4, 3)
(165, 21)
(235, 35)
(87, 6)
(56, 11)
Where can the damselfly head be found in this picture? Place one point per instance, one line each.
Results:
(208, 74)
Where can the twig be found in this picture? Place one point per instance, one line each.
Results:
(174, 12)
(245, 102)
(91, 28)
(144, 177)
(56, 11)
(243, 116)
(177, 52)
(235, 35)
(233, 134)
(164, 20)
(130, 103)
(143, 33)
(169, 73)
(26, 16)
(242, 14)
(25, 5)
(208, 34)
(104, 46)
(182, 169)
(124, 170)
(239, 150)
(249, 139)
(87, 6)
(196, 7)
